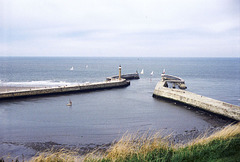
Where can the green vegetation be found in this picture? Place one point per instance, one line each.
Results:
(223, 145)
(216, 150)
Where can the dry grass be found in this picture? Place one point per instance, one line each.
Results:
(227, 132)
(141, 145)
(132, 144)
(138, 146)
(60, 156)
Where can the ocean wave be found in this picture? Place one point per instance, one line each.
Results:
(36, 83)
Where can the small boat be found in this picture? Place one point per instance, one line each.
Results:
(86, 66)
(152, 73)
(142, 72)
(71, 68)
(70, 103)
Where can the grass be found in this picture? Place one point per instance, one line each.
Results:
(60, 156)
(223, 145)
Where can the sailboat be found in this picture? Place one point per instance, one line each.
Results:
(142, 72)
(70, 103)
(152, 73)
(86, 66)
(163, 71)
(71, 68)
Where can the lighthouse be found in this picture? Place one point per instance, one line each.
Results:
(120, 68)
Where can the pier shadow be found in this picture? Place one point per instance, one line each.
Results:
(212, 118)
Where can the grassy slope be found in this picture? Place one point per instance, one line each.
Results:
(216, 150)
(219, 149)
(223, 145)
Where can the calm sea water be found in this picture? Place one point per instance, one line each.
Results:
(103, 116)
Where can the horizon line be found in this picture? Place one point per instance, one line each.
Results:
(125, 56)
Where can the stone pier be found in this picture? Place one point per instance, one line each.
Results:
(195, 100)
(114, 83)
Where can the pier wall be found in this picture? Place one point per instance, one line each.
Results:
(66, 89)
(202, 102)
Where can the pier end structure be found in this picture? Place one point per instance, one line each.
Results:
(125, 76)
(166, 79)
(195, 100)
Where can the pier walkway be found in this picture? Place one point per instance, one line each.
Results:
(195, 100)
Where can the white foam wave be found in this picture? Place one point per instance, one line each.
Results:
(36, 83)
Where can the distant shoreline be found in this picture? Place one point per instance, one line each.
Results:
(111, 57)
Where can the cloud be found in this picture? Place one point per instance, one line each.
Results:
(123, 28)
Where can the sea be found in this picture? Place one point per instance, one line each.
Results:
(29, 125)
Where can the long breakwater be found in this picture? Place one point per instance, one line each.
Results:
(115, 83)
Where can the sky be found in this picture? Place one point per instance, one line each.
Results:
(120, 28)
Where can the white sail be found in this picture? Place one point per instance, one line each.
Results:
(142, 72)
(163, 71)
(152, 73)
(71, 68)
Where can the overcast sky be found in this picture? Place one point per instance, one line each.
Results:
(123, 28)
